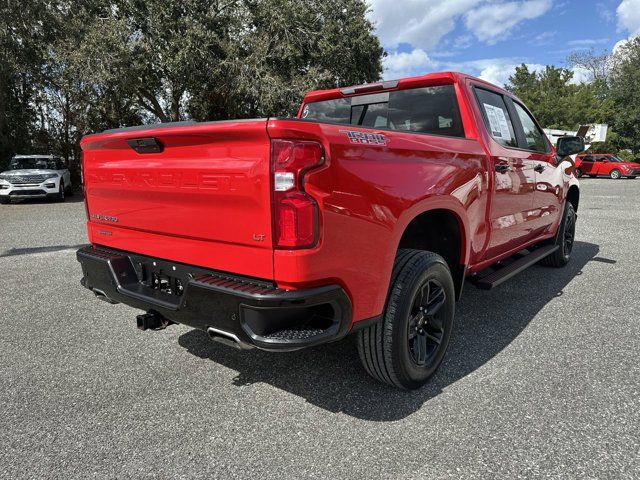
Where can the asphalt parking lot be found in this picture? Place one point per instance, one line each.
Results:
(541, 378)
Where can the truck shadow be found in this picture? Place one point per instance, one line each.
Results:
(332, 378)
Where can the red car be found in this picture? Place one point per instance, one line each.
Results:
(363, 215)
(605, 164)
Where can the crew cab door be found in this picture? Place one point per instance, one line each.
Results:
(548, 195)
(588, 165)
(513, 176)
(603, 165)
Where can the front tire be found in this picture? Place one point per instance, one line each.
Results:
(615, 174)
(5, 200)
(61, 192)
(579, 173)
(408, 345)
(565, 239)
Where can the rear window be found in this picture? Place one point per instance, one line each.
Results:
(431, 110)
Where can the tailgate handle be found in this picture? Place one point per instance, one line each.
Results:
(146, 145)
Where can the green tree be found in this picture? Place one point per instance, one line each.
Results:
(121, 62)
(279, 49)
(26, 28)
(625, 94)
(556, 101)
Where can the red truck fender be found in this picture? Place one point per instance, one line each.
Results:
(443, 205)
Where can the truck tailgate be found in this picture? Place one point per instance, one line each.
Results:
(203, 199)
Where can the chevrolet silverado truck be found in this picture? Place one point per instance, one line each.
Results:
(365, 214)
(35, 176)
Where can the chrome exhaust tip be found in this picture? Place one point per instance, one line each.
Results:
(227, 338)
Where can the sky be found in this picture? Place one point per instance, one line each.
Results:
(489, 38)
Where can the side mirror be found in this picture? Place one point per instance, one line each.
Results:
(568, 146)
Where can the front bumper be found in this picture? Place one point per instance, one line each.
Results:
(47, 188)
(255, 313)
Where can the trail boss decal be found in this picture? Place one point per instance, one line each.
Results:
(363, 138)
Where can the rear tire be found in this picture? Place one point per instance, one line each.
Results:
(615, 174)
(564, 239)
(408, 345)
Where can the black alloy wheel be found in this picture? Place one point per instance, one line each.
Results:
(426, 327)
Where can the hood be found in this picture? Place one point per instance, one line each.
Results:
(28, 171)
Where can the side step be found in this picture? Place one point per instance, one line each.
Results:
(505, 273)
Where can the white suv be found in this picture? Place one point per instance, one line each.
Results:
(35, 176)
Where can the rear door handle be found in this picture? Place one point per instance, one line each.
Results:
(502, 167)
(539, 168)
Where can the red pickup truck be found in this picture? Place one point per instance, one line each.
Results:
(365, 214)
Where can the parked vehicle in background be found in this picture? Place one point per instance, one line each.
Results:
(35, 176)
(365, 214)
(605, 164)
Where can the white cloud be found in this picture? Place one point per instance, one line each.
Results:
(587, 42)
(581, 75)
(499, 74)
(619, 44)
(544, 38)
(495, 21)
(493, 70)
(629, 16)
(421, 23)
(407, 64)
(604, 12)
(418, 62)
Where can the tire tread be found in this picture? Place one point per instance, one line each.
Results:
(375, 342)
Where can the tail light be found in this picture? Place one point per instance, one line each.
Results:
(83, 185)
(295, 212)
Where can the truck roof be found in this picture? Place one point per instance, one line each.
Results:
(403, 83)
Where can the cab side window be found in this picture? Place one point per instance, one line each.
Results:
(534, 137)
(497, 118)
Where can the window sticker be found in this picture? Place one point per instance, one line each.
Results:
(498, 122)
(445, 122)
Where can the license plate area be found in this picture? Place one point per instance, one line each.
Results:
(163, 277)
(164, 283)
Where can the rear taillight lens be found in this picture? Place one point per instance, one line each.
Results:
(83, 182)
(295, 212)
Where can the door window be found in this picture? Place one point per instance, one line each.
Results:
(497, 118)
(431, 110)
(535, 138)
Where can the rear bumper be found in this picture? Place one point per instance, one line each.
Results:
(254, 312)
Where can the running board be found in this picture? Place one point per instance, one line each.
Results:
(503, 274)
